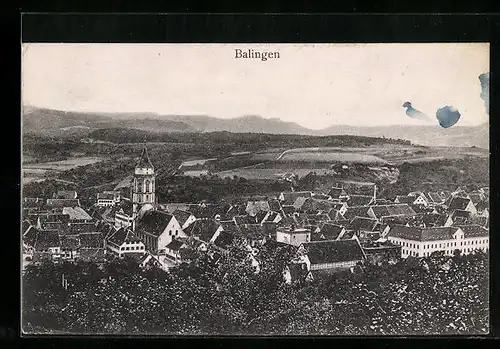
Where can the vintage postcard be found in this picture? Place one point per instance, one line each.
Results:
(255, 189)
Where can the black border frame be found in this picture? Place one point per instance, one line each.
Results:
(272, 28)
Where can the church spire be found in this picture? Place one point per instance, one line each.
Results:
(144, 161)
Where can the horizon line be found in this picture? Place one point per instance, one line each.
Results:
(237, 117)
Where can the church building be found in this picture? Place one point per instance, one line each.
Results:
(143, 185)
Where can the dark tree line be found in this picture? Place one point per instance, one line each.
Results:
(436, 296)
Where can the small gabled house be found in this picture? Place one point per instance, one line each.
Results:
(205, 230)
(272, 217)
(461, 203)
(337, 193)
(92, 247)
(288, 198)
(108, 198)
(124, 242)
(328, 231)
(331, 256)
(335, 215)
(253, 208)
(357, 211)
(379, 211)
(156, 229)
(185, 218)
(435, 198)
(70, 247)
(360, 200)
(365, 228)
(60, 203)
(47, 245)
(457, 217)
(420, 198)
(77, 214)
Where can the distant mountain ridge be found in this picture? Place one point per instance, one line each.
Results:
(50, 122)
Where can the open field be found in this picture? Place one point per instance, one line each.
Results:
(327, 155)
(40, 171)
(271, 173)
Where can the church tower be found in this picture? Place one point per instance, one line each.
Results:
(143, 184)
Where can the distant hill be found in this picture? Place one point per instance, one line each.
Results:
(51, 122)
(464, 136)
(60, 123)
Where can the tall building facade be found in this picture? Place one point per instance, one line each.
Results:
(143, 184)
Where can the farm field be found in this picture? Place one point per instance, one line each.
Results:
(39, 171)
(326, 155)
(271, 173)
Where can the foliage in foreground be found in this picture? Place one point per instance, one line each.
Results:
(436, 296)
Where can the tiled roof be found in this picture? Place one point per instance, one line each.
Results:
(154, 222)
(329, 231)
(181, 216)
(362, 223)
(359, 211)
(77, 228)
(336, 251)
(121, 236)
(299, 202)
(335, 215)
(76, 213)
(203, 229)
(91, 240)
(254, 207)
(335, 192)
(60, 203)
(69, 242)
(435, 197)
(253, 231)
(392, 210)
(242, 220)
(459, 214)
(405, 199)
(224, 239)
(175, 245)
(65, 194)
(229, 227)
(187, 253)
(357, 188)
(46, 239)
(359, 200)
(105, 196)
(422, 234)
(291, 196)
(144, 161)
(472, 231)
(29, 236)
(458, 203)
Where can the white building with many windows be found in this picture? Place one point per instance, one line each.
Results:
(422, 242)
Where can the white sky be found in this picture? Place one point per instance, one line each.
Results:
(314, 85)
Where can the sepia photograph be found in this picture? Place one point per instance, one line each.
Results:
(255, 189)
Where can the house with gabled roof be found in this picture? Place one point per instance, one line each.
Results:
(335, 215)
(293, 237)
(47, 245)
(436, 198)
(356, 211)
(92, 247)
(156, 229)
(272, 216)
(461, 203)
(205, 230)
(288, 198)
(185, 218)
(331, 256)
(360, 200)
(124, 242)
(457, 217)
(336, 193)
(255, 207)
(365, 228)
(379, 211)
(328, 231)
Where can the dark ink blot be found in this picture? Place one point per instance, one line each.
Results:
(447, 116)
(414, 113)
(485, 90)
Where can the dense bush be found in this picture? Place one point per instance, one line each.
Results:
(436, 296)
